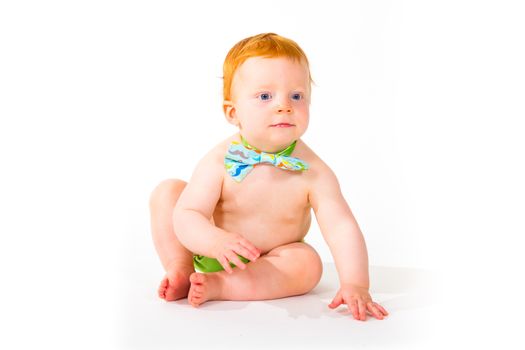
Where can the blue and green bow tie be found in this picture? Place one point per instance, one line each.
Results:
(241, 158)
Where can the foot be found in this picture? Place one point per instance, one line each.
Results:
(204, 287)
(176, 283)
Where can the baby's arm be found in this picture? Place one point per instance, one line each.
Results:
(346, 242)
(194, 209)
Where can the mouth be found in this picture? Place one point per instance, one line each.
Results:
(282, 125)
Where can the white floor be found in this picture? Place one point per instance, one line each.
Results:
(146, 322)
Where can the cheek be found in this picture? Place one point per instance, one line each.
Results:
(247, 108)
(303, 110)
(256, 109)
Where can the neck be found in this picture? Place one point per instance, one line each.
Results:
(275, 149)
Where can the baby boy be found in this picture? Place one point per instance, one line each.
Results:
(242, 218)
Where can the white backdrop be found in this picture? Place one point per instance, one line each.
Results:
(418, 108)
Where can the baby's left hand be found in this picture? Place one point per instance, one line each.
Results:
(358, 301)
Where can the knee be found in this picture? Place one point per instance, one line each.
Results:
(315, 269)
(309, 265)
(166, 191)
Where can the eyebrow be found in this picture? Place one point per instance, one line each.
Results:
(270, 87)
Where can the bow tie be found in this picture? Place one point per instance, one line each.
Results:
(241, 158)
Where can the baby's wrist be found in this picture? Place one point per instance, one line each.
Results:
(354, 284)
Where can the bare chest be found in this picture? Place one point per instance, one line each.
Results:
(270, 204)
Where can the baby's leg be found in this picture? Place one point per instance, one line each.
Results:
(292, 269)
(176, 259)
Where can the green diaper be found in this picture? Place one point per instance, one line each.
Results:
(205, 264)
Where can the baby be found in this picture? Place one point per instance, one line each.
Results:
(242, 218)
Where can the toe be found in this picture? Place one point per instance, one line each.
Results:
(162, 288)
(195, 301)
(197, 278)
(171, 295)
(174, 287)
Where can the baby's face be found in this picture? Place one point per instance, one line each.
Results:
(270, 101)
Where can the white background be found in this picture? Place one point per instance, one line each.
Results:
(418, 108)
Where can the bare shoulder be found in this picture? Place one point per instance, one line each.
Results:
(318, 168)
(205, 186)
(322, 181)
(214, 159)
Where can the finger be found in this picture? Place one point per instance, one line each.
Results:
(382, 309)
(241, 250)
(225, 264)
(374, 310)
(362, 309)
(248, 245)
(238, 262)
(338, 300)
(354, 309)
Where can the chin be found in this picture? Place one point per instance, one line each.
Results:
(284, 139)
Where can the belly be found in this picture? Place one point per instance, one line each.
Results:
(265, 231)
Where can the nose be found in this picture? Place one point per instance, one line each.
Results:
(286, 109)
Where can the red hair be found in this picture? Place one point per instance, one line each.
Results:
(267, 45)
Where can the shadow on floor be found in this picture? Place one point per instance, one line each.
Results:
(396, 288)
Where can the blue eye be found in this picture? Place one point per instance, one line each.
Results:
(297, 97)
(265, 96)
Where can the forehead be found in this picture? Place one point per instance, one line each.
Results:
(268, 71)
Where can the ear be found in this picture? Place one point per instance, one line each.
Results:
(230, 112)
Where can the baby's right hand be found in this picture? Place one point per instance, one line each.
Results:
(229, 245)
